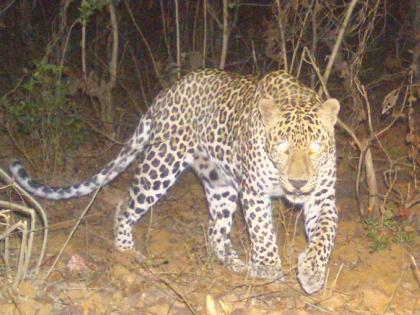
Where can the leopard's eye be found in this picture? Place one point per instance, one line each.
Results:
(315, 147)
(283, 146)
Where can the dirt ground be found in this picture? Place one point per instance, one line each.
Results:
(179, 277)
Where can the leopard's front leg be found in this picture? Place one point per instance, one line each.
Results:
(265, 261)
(321, 226)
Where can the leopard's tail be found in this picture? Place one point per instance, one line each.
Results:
(128, 153)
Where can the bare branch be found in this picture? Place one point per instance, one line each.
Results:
(146, 43)
(283, 40)
(204, 33)
(114, 55)
(225, 35)
(338, 41)
(164, 27)
(178, 41)
(7, 7)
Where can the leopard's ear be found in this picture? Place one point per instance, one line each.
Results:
(269, 110)
(328, 113)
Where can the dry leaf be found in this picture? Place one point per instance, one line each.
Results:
(390, 100)
(210, 305)
(213, 307)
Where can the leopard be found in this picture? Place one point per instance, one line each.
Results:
(251, 141)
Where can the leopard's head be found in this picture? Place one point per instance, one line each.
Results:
(300, 141)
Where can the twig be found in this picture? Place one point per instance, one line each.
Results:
(73, 230)
(395, 291)
(320, 308)
(213, 14)
(349, 131)
(254, 58)
(413, 202)
(225, 35)
(324, 293)
(204, 33)
(335, 279)
(23, 253)
(283, 40)
(149, 228)
(358, 176)
(178, 294)
(307, 52)
(371, 181)
(83, 46)
(146, 43)
(299, 41)
(415, 269)
(314, 40)
(139, 77)
(7, 7)
(37, 207)
(195, 28)
(390, 178)
(6, 256)
(411, 120)
(4, 96)
(178, 41)
(114, 55)
(13, 299)
(164, 27)
(338, 41)
(25, 250)
(63, 54)
(340, 123)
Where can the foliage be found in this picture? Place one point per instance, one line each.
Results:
(40, 108)
(389, 231)
(89, 7)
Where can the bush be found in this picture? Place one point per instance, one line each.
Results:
(40, 115)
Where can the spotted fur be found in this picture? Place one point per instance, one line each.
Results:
(248, 140)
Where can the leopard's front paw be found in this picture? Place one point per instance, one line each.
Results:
(266, 272)
(310, 272)
(235, 264)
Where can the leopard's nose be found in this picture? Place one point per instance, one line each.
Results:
(297, 183)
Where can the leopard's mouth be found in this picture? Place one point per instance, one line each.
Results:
(297, 197)
(298, 192)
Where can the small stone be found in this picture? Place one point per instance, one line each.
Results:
(407, 286)
(77, 264)
(375, 300)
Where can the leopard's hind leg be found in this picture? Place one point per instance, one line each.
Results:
(222, 200)
(158, 171)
